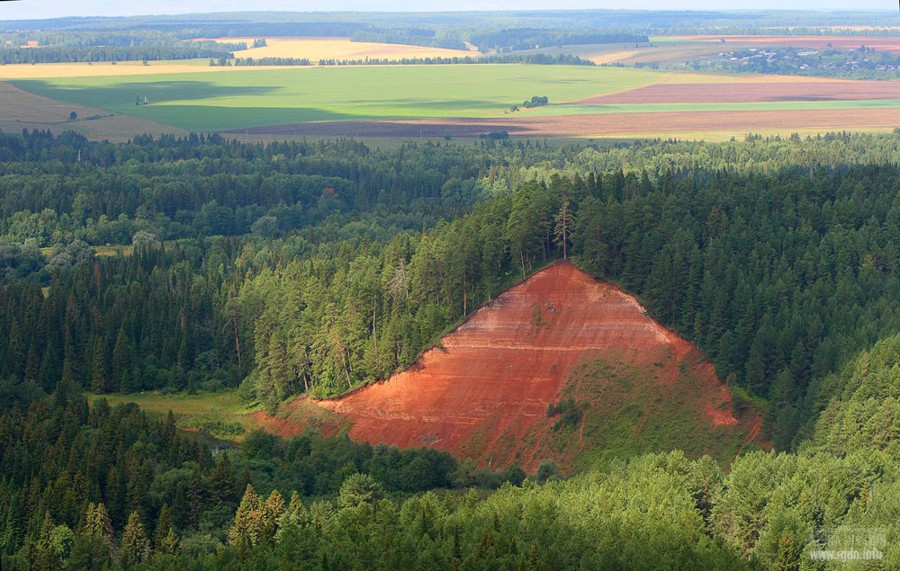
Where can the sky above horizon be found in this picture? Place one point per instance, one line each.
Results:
(40, 9)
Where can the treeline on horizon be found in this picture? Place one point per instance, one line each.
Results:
(529, 59)
(318, 267)
(187, 37)
(100, 46)
(528, 39)
(66, 54)
(494, 40)
(344, 24)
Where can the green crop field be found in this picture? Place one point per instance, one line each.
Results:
(242, 99)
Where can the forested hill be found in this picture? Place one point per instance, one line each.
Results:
(319, 266)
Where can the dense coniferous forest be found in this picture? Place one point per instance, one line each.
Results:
(198, 263)
(89, 487)
(305, 267)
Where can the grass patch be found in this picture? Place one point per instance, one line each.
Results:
(742, 401)
(631, 412)
(221, 414)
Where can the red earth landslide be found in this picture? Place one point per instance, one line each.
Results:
(484, 392)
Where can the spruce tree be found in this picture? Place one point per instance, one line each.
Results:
(163, 526)
(564, 224)
(245, 532)
(98, 526)
(135, 546)
(294, 517)
(222, 485)
(99, 369)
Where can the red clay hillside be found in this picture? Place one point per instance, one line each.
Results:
(618, 382)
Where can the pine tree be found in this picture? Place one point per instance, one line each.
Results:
(32, 364)
(99, 369)
(788, 555)
(48, 373)
(169, 544)
(222, 485)
(46, 529)
(271, 513)
(135, 546)
(71, 369)
(122, 361)
(564, 224)
(12, 531)
(97, 525)
(15, 349)
(245, 531)
(293, 518)
(359, 489)
(163, 526)
(196, 495)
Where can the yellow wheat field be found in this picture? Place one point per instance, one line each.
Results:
(338, 48)
(50, 70)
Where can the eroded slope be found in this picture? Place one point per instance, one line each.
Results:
(484, 393)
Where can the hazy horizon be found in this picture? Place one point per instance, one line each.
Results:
(37, 9)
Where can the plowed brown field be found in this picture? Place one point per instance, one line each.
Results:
(742, 93)
(483, 393)
(689, 124)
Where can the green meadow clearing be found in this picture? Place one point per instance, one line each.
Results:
(242, 99)
(221, 414)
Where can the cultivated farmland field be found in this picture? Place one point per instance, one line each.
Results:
(401, 101)
(22, 110)
(337, 49)
(273, 97)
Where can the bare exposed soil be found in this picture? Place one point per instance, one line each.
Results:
(295, 417)
(661, 123)
(484, 392)
(742, 93)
